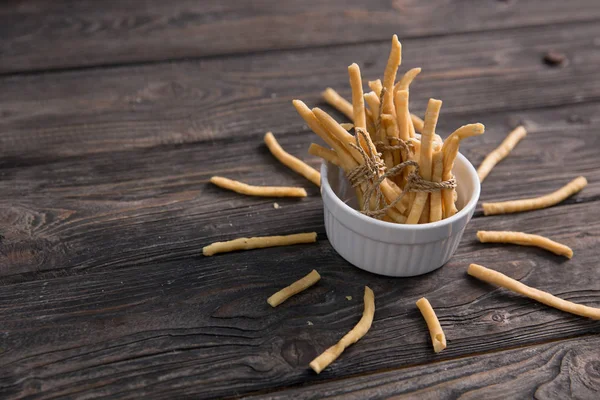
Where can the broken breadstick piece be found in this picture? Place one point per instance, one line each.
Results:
(258, 243)
(536, 203)
(500, 152)
(499, 279)
(295, 288)
(338, 102)
(292, 162)
(264, 191)
(438, 339)
(360, 330)
(524, 239)
(325, 154)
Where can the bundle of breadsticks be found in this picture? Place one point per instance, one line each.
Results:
(399, 176)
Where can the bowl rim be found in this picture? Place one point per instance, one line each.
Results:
(463, 213)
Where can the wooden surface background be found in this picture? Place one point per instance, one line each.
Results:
(114, 115)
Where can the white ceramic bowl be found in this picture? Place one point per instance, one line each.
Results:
(394, 249)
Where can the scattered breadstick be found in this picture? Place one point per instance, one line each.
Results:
(292, 162)
(500, 152)
(499, 279)
(258, 243)
(363, 326)
(524, 239)
(438, 339)
(338, 102)
(264, 191)
(326, 154)
(536, 203)
(294, 288)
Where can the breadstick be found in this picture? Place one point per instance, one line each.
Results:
(347, 126)
(376, 86)
(431, 117)
(258, 243)
(360, 330)
(500, 152)
(292, 162)
(438, 339)
(265, 191)
(358, 101)
(435, 213)
(524, 239)
(326, 154)
(389, 76)
(407, 79)
(536, 203)
(294, 288)
(388, 130)
(338, 102)
(373, 102)
(418, 123)
(401, 104)
(450, 150)
(499, 279)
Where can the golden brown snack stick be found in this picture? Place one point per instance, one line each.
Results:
(358, 101)
(407, 79)
(438, 339)
(431, 118)
(295, 164)
(376, 86)
(360, 330)
(295, 288)
(500, 152)
(435, 213)
(402, 113)
(524, 239)
(373, 102)
(449, 151)
(389, 76)
(347, 126)
(258, 243)
(418, 123)
(264, 191)
(536, 203)
(499, 279)
(345, 158)
(388, 130)
(326, 154)
(338, 102)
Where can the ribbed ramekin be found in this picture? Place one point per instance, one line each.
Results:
(394, 249)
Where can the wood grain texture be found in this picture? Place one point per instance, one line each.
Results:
(82, 112)
(115, 209)
(201, 327)
(40, 35)
(559, 370)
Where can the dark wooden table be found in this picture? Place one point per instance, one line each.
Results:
(114, 114)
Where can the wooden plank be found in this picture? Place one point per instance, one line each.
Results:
(200, 326)
(111, 210)
(558, 370)
(38, 35)
(82, 112)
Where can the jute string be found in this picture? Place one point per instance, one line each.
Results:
(372, 173)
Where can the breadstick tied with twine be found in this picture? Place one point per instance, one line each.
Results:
(360, 330)
(292, 162)
(263, 191)
(524, 239)
(295, 288)
(501, 152)
(496, 278)
(536, 203)
(438, 338)
(258, 243)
